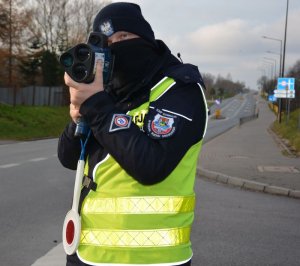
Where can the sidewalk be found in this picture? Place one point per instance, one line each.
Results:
(249, 156)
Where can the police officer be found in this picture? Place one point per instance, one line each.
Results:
(137, 207)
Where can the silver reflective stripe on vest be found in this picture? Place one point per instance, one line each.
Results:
(140, 205)
(136, 238)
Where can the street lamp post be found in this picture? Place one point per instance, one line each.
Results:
(273, 60)
(285, 32)
(274, 39)
(287, 110)
(270, 67)
(282, 56)
(279, 70)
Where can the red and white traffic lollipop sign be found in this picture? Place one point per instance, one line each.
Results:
(72, 223)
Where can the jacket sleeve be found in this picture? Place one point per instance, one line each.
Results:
(69, 147)
(149, 155)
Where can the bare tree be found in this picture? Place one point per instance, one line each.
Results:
(294, 72)
(15, 19)
(209, 80)
(44, 21)
(63, 26)
(62, 23)
(81, 21)
(222, 87)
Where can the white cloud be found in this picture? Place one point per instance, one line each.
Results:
(236, 46)
(221, 48)
(224, 37)
(221, 38)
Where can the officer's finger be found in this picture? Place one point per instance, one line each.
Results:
(75, 96)
(69, 81)
(72, 91)
(99, 73)
(74, 107)
(74, 113)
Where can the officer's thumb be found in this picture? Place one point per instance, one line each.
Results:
(99, 72)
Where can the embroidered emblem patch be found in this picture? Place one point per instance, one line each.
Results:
(107, 28)
(119, 122)
(162, 126)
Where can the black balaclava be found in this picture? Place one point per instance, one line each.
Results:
(134, 58)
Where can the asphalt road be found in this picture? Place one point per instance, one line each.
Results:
(35, 194)
(235, 227)
(232, 227)
(232, 109)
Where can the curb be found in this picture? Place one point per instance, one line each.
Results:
(281, 144)
(247, 184)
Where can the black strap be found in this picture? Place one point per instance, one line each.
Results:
(89, 183)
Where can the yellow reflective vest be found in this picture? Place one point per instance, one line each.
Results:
(125, 222)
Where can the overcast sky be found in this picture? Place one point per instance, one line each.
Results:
(222, 37)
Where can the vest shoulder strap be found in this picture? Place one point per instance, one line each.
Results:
(161, 87)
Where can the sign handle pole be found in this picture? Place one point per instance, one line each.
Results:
(286, 107)
(279, 110)
(289, 108)
(299, 119)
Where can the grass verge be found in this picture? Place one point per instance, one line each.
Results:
(32, 122)
(290, 130)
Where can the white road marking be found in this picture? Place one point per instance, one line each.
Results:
(38, 159)
(9, 165)
(55, 257)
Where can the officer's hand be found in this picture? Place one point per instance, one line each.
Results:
(74, 112)
(79, 92)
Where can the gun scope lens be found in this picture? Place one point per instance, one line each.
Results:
(66, 60)
(83, 53)
(79, 72)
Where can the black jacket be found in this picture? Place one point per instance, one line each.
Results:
(147, 158)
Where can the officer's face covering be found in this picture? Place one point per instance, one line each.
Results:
(132, 61)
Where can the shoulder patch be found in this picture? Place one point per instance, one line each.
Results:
(162, 125)
(119, 122)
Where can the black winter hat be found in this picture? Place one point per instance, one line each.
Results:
(123, 16)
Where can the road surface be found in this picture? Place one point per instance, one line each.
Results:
(232, 227)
